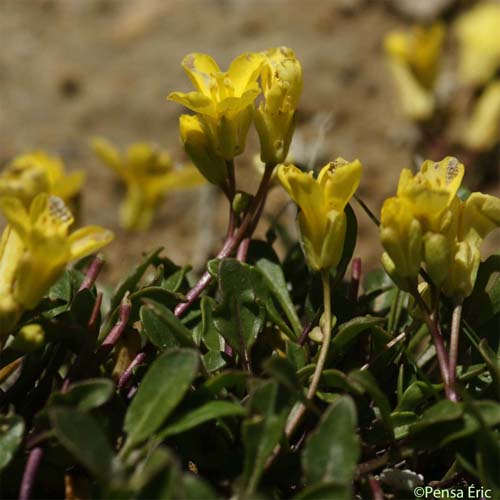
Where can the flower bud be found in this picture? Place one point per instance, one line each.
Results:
(199, 148)
(437, 256)
(275, 117)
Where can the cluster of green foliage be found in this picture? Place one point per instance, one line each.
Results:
(203, 415)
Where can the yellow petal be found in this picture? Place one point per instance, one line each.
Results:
(107, 153)
(88, 240)
(244, 71)
(69, 186)
(417, 101)
(401, 236)
(481, 216)
(482, 131)
(50, 216)
(307, 193)
(432, 190)
(195, 101)
(339, 181)
(16, 215)
(182, 178)
(200, 68)
(479, 43)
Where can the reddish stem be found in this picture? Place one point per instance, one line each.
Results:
(30, 471)
(117, 331)
(355, 279)
(231, 243)
(92, 273)
(129, 371)
(377, 492)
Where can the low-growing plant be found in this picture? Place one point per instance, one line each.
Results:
(268, 377)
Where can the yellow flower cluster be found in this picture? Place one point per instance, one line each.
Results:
(224, 107)
(36, 172)
(148, 174)
(35, 247)
(427, 223)
(36, 244)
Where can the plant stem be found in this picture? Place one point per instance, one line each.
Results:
(231, 242)
(127, 374)
(437, 339)
(355, 279)
(327, 333)
(377, 492)
(297, 415)
(92, 272)
(30, 471)
(117, 331)
(454, 341)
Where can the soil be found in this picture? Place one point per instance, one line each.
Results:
(74, 69)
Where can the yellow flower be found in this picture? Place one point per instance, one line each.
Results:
(33, 173)
(199, 148)
(322, 220)
(417, 224)
(281, 80)
(474, 219)
(431, 191)
(482, 131)
(414, 63)
(428, 223)
(148, 174)
(401, 237)
(224, 101)
(35, 248)
(479, 43)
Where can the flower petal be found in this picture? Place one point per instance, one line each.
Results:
(244, 71)
(200, 68)
(16, 215)
(339, 181)
(87, 240)
(195, 101)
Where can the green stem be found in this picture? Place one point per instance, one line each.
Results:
(454, 341)
(327, 333)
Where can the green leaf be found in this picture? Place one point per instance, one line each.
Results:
(440, 420)
(284, 373)
(194, 488)
(484, 302)
(11, 436)
(332, 450)
(262, 430)
(225, 380)
(161, 390)
(154, 329)
(173, 324)
(415, 394)
(132, 279)
(369, 383)
(81, 435)
(336, 379)
(157, 294)
(209, 411)
(85, 395)
(349, 245)
(158, 476)
(241, 315)
(323, 491)
(275, 280)
(349, 331)
(209, 333)
(492, 361)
